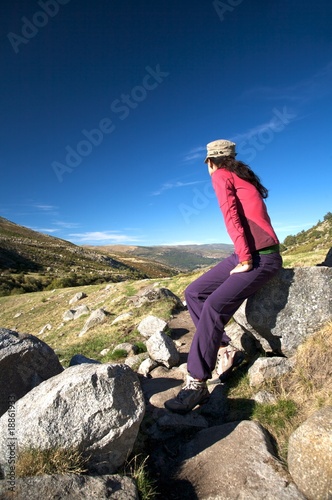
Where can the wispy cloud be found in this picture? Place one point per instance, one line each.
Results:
(308, 90)
(173, 185)
(45, 208)
(195, 153)
(102, 236)
(67, 225)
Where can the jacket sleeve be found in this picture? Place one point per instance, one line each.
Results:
(226, 195)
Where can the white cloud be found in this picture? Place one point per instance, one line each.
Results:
(111, 237)
(172, 185)
(310, 89)
(196, 153)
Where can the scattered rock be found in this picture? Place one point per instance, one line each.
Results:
(152, 294)
(79, 359)
(122, 317)
(77, 297)
(161, 348)
(126, 346)
(75, 313)
(268, 368)
(150, 325)
(147, 366)
(265, 397)
(47, 327)
(96, 318)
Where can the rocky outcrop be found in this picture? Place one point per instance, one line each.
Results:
(152, 294)
(288, 309)
(310, 455)
(25, 362)
(95, 408)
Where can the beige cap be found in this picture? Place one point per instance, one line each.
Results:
(220, 148)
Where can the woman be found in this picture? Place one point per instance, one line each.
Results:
(213, 298)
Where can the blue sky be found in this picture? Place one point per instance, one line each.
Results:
(107, 107)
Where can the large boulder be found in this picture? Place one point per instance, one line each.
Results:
(234, 461)
(95, 408)
(25, 362)
(288, 309)
(310, 455)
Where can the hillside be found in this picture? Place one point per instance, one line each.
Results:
(32, 261)
(181, 257)
(308, 248)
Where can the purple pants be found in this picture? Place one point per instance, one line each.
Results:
(212, 300)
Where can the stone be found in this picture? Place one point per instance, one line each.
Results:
(75, 313)
(126, 346)
(310, 455)
(162, 349)
(25, 362)
(95, 408)
(73, 487)
(146, 367)
(122, 317)
(268, 368)
(97, 317)
(78, 296)
(152, 294)
(45, 328)
(150, 325)
(233, 461)
(291, 307)
(79, 359)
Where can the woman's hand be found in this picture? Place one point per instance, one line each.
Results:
(242, 267)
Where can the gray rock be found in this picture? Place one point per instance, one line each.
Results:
(135, 361)
(162, 349)
(25, 362)
(288, 309)
(310, 455)
(97, 317)
(45, 328)
(96, 408)
(268, 368)
(73, 487)
(152, 294)
(79, 359)
(122, 317)
(147, 366)
(235, 461)
(150, 325)
(265, 397)
(75, 313)
(126, 346)
(78, 296)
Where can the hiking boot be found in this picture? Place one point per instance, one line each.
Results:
(192, 394)
(227, 359)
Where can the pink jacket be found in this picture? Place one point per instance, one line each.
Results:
(245, 214)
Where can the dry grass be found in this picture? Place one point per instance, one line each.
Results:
(35, 462)
(306, 389)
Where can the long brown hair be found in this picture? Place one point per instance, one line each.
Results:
(242, 170)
